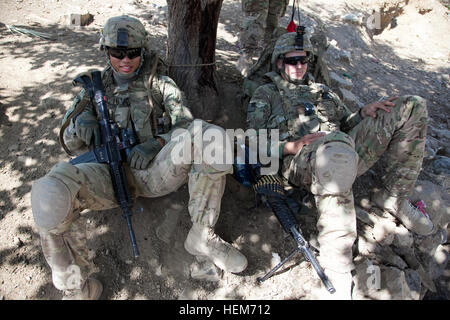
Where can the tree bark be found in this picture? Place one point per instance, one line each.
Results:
(192, 34)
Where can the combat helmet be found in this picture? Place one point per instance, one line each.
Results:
(292, 41)
(123, 31)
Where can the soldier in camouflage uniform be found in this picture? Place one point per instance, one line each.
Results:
(324, 147)
(260, 20)
(137, 100)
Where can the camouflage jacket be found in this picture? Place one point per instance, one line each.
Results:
(130, 107)
(297, 110)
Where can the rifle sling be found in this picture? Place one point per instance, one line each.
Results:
(150, 100)
(79, 108)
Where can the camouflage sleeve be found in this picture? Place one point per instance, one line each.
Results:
(75, 144)
(175, 105)
(347, 118)
(258, 113)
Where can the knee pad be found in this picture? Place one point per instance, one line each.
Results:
(336, 166)
(51, 202)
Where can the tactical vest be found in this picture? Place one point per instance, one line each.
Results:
(130, 108)
(305, 108)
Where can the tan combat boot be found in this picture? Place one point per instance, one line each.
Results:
(202, 241)
(411, 217)
(92, 290)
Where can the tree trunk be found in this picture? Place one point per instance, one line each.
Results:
(192, 36)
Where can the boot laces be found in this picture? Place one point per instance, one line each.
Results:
(413, 212)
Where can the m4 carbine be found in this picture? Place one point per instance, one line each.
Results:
(114, 146)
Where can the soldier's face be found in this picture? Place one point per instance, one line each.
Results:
(125, 65)
(297, 71)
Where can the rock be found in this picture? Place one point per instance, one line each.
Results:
(345, 55)
(438, 263)
(364, 216)
(13, 148)
(413, 282)
(432, 146)
(384, 231)
(79, 20)
(385, 283)
(158, 271)
(339, 82)
(355, 18)
(188, 294)
(365, 241)
(441, 165)
(409, 255)
(440, 133)
(17, 242)
(428, 245)
(349, 99)
(402, 237)
(387, 256)
(275, 259)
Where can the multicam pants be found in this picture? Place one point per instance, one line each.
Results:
(64, 245)
(399, 136)
(260, 20)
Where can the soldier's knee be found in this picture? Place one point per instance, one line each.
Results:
(335, 166)
(216, 149)
(416, 104)
(52, 201)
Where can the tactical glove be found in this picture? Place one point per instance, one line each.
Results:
(86, 125)
(141, 155)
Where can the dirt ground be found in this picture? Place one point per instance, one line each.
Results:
(411, 57)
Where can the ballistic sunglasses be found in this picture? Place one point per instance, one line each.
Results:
(294, 60)
(122, 53)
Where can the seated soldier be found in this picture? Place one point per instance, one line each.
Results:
(324, 147)
(140, 99)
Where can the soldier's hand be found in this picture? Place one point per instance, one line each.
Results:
(370, 110)
(141, 155)
(293, 147)
(86, 126)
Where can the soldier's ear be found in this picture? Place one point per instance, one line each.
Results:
(279, 64)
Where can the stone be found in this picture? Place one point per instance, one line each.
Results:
(438, 263)
(384, 231)
(345, 55)
(441, 165)
(349, 99)
(340, 82)
(387, 256)
(80, 20)
(432, 146)
(402, 237)
(381, 282)
(355, 18)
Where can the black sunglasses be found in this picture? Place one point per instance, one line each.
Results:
(122, 53)
(294, 60)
